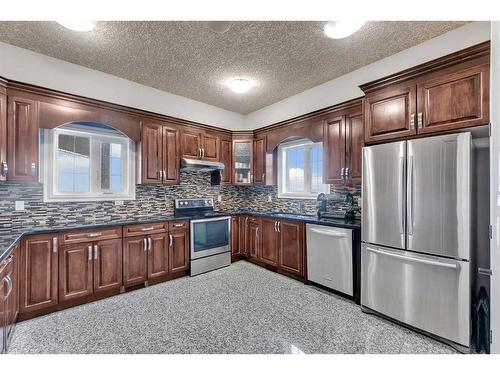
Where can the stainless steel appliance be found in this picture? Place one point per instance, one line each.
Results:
(329, 257)
(210, 234)
(416, 233)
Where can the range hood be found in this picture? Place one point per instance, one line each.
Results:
(201, 165)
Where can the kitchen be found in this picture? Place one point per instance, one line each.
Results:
(119, 210)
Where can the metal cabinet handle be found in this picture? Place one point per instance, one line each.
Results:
(54, 244)
(347, 173)
(202, 153)
(199, 153)
(420, 119)
(412, 121)
(9, 259)
(263, 176)
(96, 252)
(9, 283)
(279, 226)
(342, 173)
(276, 226)
(415, 259)
(144, 244)
(89, 252)
(149, 243)
(401, 197)
(170, 240)
(92, 235)
(147, 228)
(4, 169)
(33, 169)
(178, 225)
(409, 199)
(257, 232)
(164, 174)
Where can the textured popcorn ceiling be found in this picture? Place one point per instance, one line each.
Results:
(188, 59)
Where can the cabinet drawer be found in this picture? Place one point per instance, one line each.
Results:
(140, 229)
(90, 235)
(178, 225)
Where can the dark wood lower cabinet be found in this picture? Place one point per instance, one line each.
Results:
(135, 260)
(235, 236)
(178, 251)
(75, 271)
(157, 246)
(291, 249)
(253, 239)
(108, 265)
(270, 241)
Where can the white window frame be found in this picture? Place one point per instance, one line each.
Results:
(49, 176)
(283, 175)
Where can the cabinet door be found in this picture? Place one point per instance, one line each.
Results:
(242, 162)
(151, 153)
(291, 235)
(191, 145)
(270, 241)
(108, 265)
(354, 147)
(39, 273)
(454, 100)
(210, 147)
(3, 308)
(134, 260)
(235, 235)
(243, 229)
(22, 133)
(178, 250)
(170, 155)
(75, 271)
(8, 297)
(3, 137)
(225, 158)
(334, 150)
(259, 161)
(157, 255)
(253, 239)
(390, 113)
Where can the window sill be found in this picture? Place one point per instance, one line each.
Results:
(298, 197)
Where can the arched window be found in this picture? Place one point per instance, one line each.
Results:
(87, 162)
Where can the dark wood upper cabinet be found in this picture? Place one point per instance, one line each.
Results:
(334, 149)
(210, 147)
(22, 136)
(291, 238)
(178, 251)
(171, 160)
(242, 165)
(390, 113)
(225, 158)
(152, 148)
(354, 147)
(270, 241)
(191, 145)
(453, 100)
(135, 258)
(75, 271)
(108, 265)
(259, 161)
(3, 137)
(39, 273)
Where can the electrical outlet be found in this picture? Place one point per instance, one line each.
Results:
(269, 198)
(118, 203)
(19, 205)
(219, 198)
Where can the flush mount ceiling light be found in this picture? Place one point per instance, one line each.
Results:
(78, 25)
(342, 29)
(240, 85)
(219, 27)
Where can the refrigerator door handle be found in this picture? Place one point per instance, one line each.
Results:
(414, 259)
(401, 197)
(410, 195)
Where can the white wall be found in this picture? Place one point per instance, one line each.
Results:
(346, 87)
(494, 185)
(30, 67)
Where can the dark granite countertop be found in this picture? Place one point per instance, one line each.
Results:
(7, 241)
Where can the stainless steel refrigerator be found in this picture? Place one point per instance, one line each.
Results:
(416, 233)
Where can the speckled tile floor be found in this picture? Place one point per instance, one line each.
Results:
(239, 309)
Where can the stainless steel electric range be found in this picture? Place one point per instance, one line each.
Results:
(210, 234)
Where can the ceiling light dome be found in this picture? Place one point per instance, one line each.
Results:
(342, 29)
(240, 85)
(78, 25)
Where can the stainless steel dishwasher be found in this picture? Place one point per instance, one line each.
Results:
(329, 257)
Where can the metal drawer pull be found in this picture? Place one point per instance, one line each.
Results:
(33, 169)
(149, 243)
(89, 251)
(92, 235)
(96, 252)
(342, 173)
(328, 232)
(412, 121)
(415, 260)
(170, 240)
(145, 244)
(4, 169)
(54, 244)
(420, 119)
(178, 225)
(146, 229)
(9, 283)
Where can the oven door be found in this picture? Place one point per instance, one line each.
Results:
(210, 236)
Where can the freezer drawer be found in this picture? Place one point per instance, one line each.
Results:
(329, 257)
(427, 292)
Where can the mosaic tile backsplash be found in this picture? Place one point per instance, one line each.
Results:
(150, 200)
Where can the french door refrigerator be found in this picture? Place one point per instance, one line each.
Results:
(416, 230)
